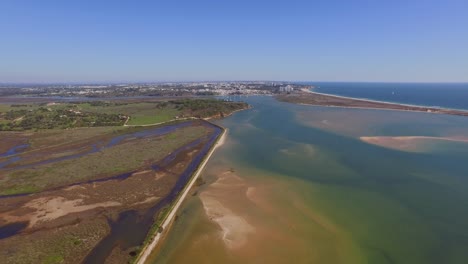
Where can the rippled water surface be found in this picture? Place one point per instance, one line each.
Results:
(299, 184)
(446, 95)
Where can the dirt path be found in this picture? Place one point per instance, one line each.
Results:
(145, 253)
(160, 123)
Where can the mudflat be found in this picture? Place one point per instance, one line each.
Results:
(61, 199)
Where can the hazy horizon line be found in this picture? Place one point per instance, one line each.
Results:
(215, 81)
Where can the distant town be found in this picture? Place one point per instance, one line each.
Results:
(151, 89)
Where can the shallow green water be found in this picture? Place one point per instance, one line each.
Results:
(384, 205)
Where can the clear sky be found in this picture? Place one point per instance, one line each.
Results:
(173, 40)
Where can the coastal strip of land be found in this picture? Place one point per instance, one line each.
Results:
(93, 182)
(320, 99)
(158, 236)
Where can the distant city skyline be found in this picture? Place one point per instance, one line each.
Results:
(176, 41)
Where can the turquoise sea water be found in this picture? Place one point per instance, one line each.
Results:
(447, 95)
(326, 196)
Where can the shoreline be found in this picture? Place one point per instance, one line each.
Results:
(186, 118)
(326, 100)
(402, 138)
(157, 238)
(228, 115)
(383, 102)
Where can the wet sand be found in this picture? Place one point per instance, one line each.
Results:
(306, 191)
(252, 217)
(235, 229)
(410, 143)
(148, 249)
(378, 128)
(125, 205)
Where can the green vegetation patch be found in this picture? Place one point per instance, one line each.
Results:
(108, 162)
(53, 259)
(103, 113)
(68, 244)
(152, 117)
(55, 137)
(203, 108)
(20, 188)
(51, 117)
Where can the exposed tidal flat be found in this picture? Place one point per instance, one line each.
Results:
(297, 184)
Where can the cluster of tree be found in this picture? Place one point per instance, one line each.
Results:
(70, 116)
(205, 93)
(20, 105)
(43, 118)
(202, 108)
(12, 115)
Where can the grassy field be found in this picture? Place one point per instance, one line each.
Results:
(55, 116)
(91, 148)
(149, 117)
(41, 126)
(108, 162)
(113, 113)
(142, 113)
(60, 245)
(54, 137)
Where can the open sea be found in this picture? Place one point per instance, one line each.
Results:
(446, 95)
(306, 184)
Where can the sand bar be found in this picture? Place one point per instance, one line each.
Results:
(320, 99)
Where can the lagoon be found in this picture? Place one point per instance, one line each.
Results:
(296, 183)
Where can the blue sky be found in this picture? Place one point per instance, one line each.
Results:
(88, 41)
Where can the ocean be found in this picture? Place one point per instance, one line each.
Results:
(445, 95)
(306, 184)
